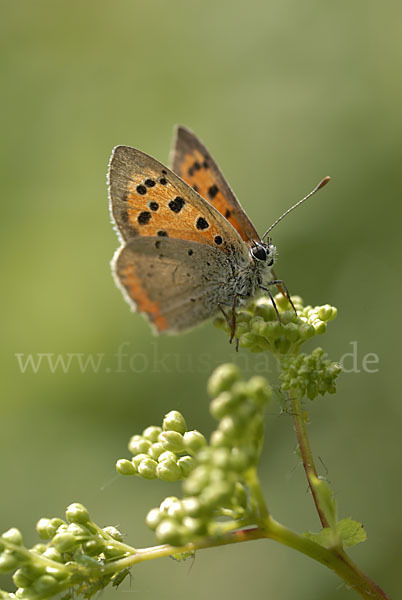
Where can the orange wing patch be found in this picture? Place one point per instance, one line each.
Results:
(132, 283)
(195, 172)
(155, 207)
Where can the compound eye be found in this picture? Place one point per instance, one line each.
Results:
(259, 253)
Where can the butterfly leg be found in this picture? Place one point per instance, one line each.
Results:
(280, 284)
(231, 321)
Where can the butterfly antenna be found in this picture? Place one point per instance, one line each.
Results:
(317, 187)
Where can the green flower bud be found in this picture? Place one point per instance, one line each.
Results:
(147, 468)
(264, 309)
(167, 455)
(174, 421)
(219, 439)
(194, 527)
(153, 518)
(58, 573)
(197, 481)
(166, 503)
(204, 455)
(172, 440)
(156, 450)
(249, 340)
(139, 445)
(93, 547)
(239, 392)
(8, 561)
(306, 331)
(13, 535)
(230, 427)
(64, 542)
(111, 551)
(291, 331)
(77, 530)
(136, 460)
(77, 513)
(152, 433)
(222, 379)
(45, 585)
(45, 529)
(186, 464)
(221, 458)
(39, 548)
(193, 441)
(217, 494)
(239, 460)
(21, 579)
(53, 554)
(125, 467)
(259, 391)
(191, 506)
(222, 405)
(62, 528)
(326, 312)
(170, 532)
(320, 327)
(113, 532)
(176, 511)
(168, 470)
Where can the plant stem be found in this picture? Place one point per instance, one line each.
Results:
(305, 451)
(257, 497)
(344, 565)
(337, 560)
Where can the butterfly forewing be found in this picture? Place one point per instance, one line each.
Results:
(193, 163)
(179, 254)
(147, 199)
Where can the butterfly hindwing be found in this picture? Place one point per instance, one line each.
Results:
(176, 283)
(193, 163)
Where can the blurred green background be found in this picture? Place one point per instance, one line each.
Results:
(283, 93)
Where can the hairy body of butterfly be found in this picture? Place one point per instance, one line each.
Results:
(188, 248)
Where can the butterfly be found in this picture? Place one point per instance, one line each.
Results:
(188, 248)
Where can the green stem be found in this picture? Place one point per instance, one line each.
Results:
(257, 497)
(337, 561)
(341, 563)
(305, 451)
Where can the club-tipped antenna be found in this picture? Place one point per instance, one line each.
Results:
(317, 187)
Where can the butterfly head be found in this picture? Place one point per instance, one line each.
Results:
(263, 252)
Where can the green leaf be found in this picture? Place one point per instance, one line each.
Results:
(325, 537)
(351, 532)
(347, 532)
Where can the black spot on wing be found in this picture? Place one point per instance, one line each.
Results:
(202, 224)
(212, 191)
(141, 189)
(177, 204)
(144, 217)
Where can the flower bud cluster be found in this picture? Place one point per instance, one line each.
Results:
(71, 555)
(309, 375)
(258, 327)
(216, 486)
(163, 452)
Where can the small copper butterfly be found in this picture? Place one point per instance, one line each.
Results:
(188, 248)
